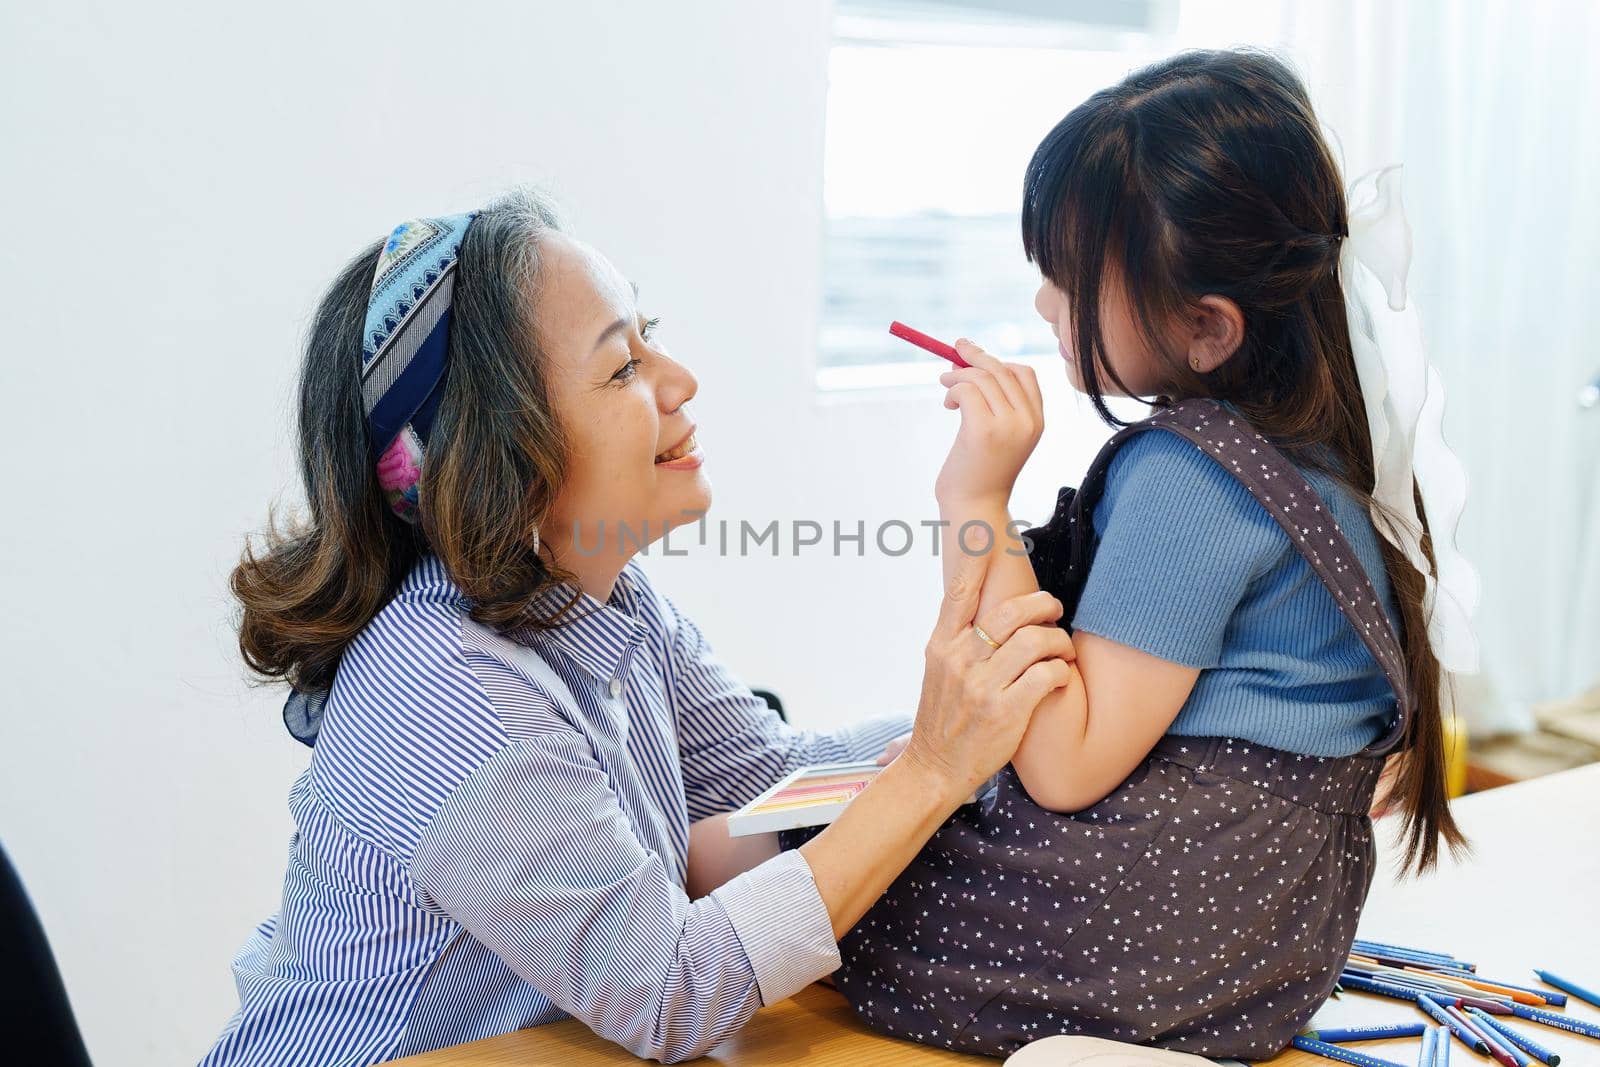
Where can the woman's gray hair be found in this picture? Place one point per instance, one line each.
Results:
(494, 463)
(502, 247)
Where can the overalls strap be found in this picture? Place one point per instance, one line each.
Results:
(1063, 549)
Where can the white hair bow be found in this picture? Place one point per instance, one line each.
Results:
(1405, 413)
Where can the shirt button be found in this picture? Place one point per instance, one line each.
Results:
(616, 687)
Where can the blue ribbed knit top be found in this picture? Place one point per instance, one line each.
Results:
(1190, 568)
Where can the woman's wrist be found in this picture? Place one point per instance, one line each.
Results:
(927, 775)
(856, 858)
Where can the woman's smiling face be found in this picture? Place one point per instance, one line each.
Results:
(633, 466)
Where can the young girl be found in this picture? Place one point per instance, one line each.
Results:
(1180, 850)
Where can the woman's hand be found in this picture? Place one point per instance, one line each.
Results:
(976, 703)
(976, 700)
(1002, 416)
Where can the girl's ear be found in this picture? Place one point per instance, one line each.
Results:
(1216, 329)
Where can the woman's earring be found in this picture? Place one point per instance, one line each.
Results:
(1194, 362)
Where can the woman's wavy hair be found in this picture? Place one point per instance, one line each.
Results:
(1207, 173)
(495, 457)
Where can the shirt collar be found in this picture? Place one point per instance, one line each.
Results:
(593, 634)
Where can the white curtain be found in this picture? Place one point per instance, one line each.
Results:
(1494, 108)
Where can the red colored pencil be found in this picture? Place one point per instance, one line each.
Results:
(923, 341)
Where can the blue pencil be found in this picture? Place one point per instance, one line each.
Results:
(1560, 1022)
(1499, 1046)
(1365, 1033)
(1415, 959)
(1527, 1044)
(1442, 1050)
(1430, 1047)
(1466, 1037)
(1373, 985)
(1384, 946)
(1574, 988)
(1497, 1051)
(1511, 1041)
(1343, 1055)
(1427, 959)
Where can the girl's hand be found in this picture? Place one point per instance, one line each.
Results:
(1002, 416)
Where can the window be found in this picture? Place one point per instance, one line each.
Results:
(934, 108)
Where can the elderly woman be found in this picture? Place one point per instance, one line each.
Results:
(524, 753)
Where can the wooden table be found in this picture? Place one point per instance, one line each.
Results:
(1523, 899)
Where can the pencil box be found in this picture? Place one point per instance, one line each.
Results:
(811, 796)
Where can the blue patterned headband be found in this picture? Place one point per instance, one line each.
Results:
(405, 348)
(404, 353)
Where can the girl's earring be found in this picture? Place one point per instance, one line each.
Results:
(1194, 362)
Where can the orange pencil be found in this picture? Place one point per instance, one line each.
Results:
(1520, 996)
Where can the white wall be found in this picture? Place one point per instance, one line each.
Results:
(181, 182)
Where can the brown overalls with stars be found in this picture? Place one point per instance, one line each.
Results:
(1205, 905)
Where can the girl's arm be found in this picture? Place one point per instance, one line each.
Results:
(1071, 756)
(716, 859)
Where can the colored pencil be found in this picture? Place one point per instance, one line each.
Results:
(1488, 1026)
(1560, 1022)
(927, 344)
(1430, 1047)
(1465, 983)
(1497, 1051)
(1520, 994)
(1383, 989)
(1531, 997)
(1574, 988)
(1398, 959)
(1549, 996)
(1435, 1011)
(1442, 966)
(1493, 1007)
(1426, 982)
(1420, 955)
(1403, 948)
(1526, 1043)
(1343, 1055)
(1340, 1036)
(1500, 987)
(1442, 1051)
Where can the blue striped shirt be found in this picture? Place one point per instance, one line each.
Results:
(493, 834)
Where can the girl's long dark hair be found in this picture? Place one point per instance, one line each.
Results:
(494, 460)
(1207, 173)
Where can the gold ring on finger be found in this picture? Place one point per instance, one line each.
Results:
(985, 638)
